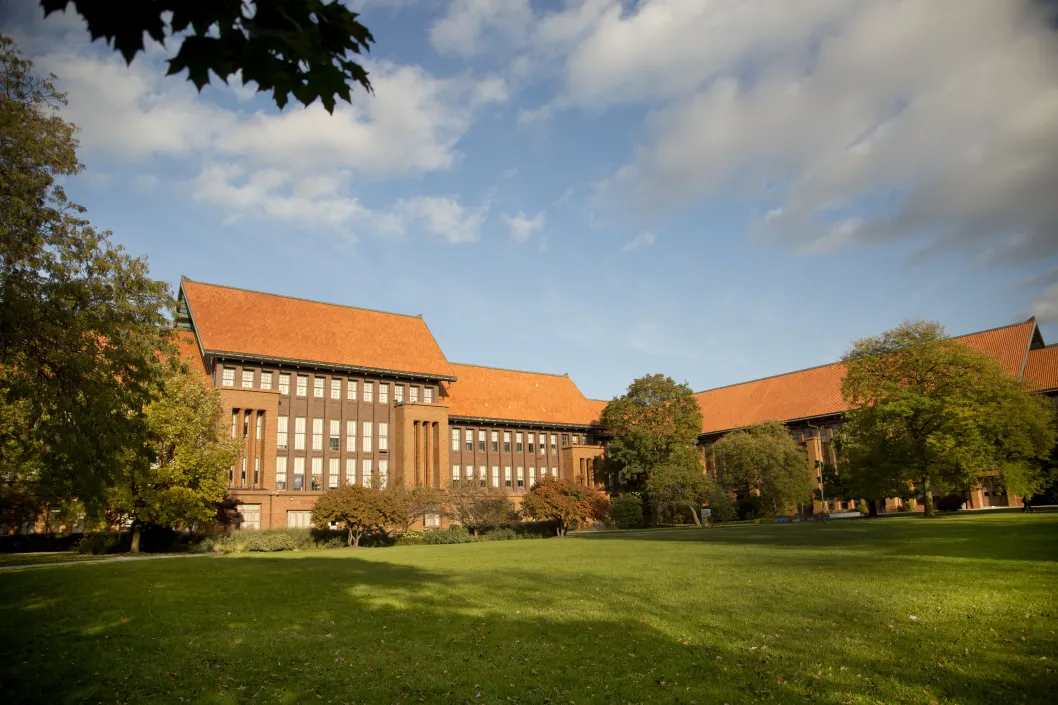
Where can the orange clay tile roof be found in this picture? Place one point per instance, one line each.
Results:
(1041, 370)
(267, 325)
(817, 391)
(188, 346)
(512, 395)
(598, 405)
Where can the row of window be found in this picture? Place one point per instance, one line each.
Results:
(334, 440)
(242, 473)
(464, 440)
(368, 473)
(466, 474)
(318, 387)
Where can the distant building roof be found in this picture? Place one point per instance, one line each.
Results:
(514, 395)
(816, 391)
(241, 322)
(1041, 370)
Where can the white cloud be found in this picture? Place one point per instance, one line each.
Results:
(846, 122)
(472, 26)
(445, 217)
(640, 240)
(1046, 307)
(522, 226)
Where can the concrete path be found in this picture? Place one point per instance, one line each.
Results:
(101, 561)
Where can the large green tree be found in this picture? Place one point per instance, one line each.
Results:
(933, 412)
(181, 479)
(302, 47)
(361, 509)
(764, 461)
(680, 482)
(81, 322)
(653, 423)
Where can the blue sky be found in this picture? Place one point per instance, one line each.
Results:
(711, 189)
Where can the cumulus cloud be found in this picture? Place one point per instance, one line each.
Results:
(472, 26)
(640, 240)
(445, 217)
(522, 226)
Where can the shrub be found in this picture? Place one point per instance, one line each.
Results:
(749, 508)
(34, 543)
(414, 537)
(536, 529)
(950, 503)
(903, 508)
(627, 511)
(453, 534)
(504, 534)
(100, 543)
(863, 509)
(721, 503)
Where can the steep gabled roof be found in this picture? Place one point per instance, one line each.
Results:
(817, 391)
(1041, 370)
(598, 405)
(514, 395)
(187, 344)
(241, 322)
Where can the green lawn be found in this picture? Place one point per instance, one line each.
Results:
(18, 559)
(788, 613)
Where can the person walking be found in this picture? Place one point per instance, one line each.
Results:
(1026, 505)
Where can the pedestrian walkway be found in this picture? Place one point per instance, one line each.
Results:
(101, 561)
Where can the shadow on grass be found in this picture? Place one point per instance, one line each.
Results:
(341, 628)
(1003, 537)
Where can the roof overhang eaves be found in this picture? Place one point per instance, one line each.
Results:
(523, 422)
(821, 417)
(224, 354)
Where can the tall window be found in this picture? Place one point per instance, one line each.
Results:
(469, 474)
(227, 377)
(383, 473)
(317, 434)
(333, 470)
(260, 426)
(455, 473)
(299, 473)
(350, 436)
(506, 441)
(554, 473)
(266, 380)
(256, 471)
(317, 474)
(247, 379)
(576, 439)
(281, 472)
(299, 433)
(531, 446)
(336, 389)
(543, 444)
(565, 440)
(367, 437)
(481, 441)
(521, 477)
(251, 517)
(469, 439)
(383, 439)
(554, 443)
(518, 443)
(281, 425)
(495, 476)
(427, 395)
(317, 387)
(413, 394)
(350, 390)
(507, 476)
(369, 392)
(398, 393)
(334, 439)
(495, 441)
(482, 476)
(242, 473)
(455, 439)
(365, 475)
(303, 385)
(246, 424)
(350, 471)
(532, 476)
(234, 422)
(284, 383)
(299, 519)
(383, 398)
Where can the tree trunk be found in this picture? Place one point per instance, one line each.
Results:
(356, 540)
(872, 508)
(349, 541)
(694, 513)
(134, 546)
(927, 497)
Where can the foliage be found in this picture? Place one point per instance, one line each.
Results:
(361, 509)
(653, 421)
(504, 534)
(564, 501)
(269, 541)
(479, 508)
(419, 502)
(721, 502)
(933, 412)
(765, 462)
(453, 534)
(950, 503)
(303, 47)
(863, 508)
(748, 508)
(627, 511)
(33, 543)
(181, 480)
(81, 323)
(97, 543)
(680, 482)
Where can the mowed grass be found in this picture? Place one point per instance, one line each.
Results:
(20, 559)
(783, 613)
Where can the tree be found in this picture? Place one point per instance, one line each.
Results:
(304, 47)
(361, 509)
(627, 511)
(182, 478)
(478, 508)
(81, 322)
(655, 419)
(680, 482)
(419, 502)
(765, 461)
(933, 412)
(564, 501)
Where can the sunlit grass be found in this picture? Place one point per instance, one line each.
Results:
(789, 613)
